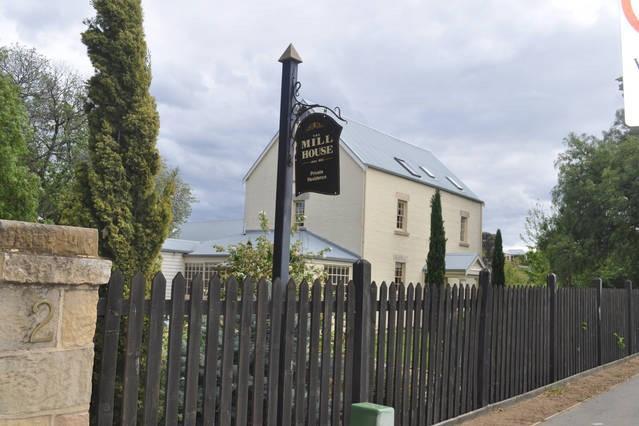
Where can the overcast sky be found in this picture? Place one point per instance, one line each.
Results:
(491, 87)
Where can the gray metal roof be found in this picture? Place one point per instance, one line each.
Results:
(210, 229)
(312, 244)
(379, 150)
(460, 261)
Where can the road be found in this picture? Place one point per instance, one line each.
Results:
(616, 407)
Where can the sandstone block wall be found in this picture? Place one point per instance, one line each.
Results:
(49, 279)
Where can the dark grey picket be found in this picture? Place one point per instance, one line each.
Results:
(246, 318)
(210, 359)
(459, 351)
(176, 324)
(399, 351)
(465, 390)
(404, 406)
(380, 383)
(413, 410)
(350, 345)
(336, 406)
(132, 355)
(424, 337)
(327, 322)
(371, 341)
(154, 350)
(277, 301)
(286, 367)
(259, 393)
(314, 354)
(228, 336)
(111, 330)
(193, 352)
(392, 345)
(301, 356)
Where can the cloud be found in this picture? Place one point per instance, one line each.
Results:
(490, 87)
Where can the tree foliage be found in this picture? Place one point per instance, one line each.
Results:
(593, 227)
(498, 273)
(255, 258)
(54, 97)
(514, 274)
(19, 187)
(537, 267)
(182, 198)
(120, 177)
(436, 260)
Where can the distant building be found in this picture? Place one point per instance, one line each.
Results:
(382, 213)
(513, 254)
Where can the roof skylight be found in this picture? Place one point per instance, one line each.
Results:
(454, 182)
(427, 171)
(408, 168)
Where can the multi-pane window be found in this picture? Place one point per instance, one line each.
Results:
(402, 210)
(336, 274)
(300, 212)
(206, 269)
(463, 231)
(400, 272)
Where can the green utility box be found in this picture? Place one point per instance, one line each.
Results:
(369, 414)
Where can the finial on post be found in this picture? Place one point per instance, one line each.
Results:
(290, 54)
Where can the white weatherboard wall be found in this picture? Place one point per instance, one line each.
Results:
(383, 246)
(336, 218)
(172, 263)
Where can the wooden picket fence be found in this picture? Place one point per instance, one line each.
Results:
(255, 353)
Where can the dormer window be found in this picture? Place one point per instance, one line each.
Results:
(427, 171)
(407, 166)
(454, 182)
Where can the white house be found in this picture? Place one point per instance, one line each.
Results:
(382, 213)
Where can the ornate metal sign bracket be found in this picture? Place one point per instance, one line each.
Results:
(301, 109)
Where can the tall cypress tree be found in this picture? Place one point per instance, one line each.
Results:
(19, 188)
(119, 179)
(498, 276)
(436, 260)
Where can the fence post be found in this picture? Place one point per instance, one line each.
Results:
(554, 361)
(631, 331)
(484, 338)
(598, 283)
(362, 330)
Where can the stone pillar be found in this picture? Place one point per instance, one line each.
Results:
(49, 279)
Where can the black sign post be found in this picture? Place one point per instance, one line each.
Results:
(284, 186)
(317, 155)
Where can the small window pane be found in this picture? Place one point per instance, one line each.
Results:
(336, 274)
(300, 212)
(400, 272)
(401, 215)
(463, 236)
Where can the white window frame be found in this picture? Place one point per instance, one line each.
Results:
(207, 269)
(401, 266)
(299, 218)
(463, 228)
(401, 218)
(337, 273)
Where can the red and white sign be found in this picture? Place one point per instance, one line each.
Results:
(630, 59)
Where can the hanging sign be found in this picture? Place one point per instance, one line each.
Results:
(630, 60)
(317, 155)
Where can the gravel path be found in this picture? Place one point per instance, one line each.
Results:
(562, 397)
